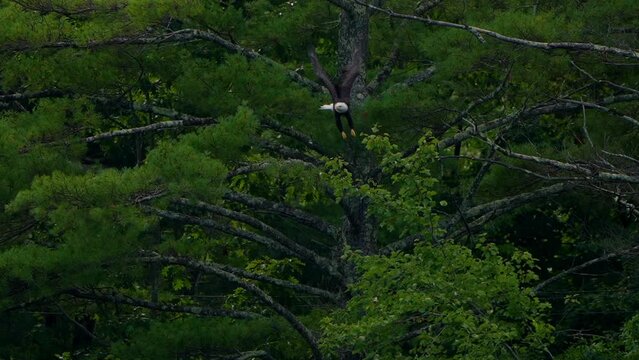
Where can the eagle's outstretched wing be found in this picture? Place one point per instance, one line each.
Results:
(321, 74)
(349, 75)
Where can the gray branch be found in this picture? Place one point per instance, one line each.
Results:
(116, 298)
(478, 32)
(560, 275)
(384, 72)
(294, 133)
(287, 211)
(207, 267)
(288, 152)
(629, 119)
(188, 219)
(275, 234)
(180, 36)
(268, 301)
(516, 200)
(261, 166)
(32, 95)
(540, 109)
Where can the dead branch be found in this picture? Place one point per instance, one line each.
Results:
(478, 32)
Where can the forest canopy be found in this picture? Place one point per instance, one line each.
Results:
(170, 188)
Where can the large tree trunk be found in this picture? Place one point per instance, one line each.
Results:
(353, 35)
(359, 229)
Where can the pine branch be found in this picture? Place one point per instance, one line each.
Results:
(48, 93)
(268, 301)
(478, 32)
(276, 235)
(183, 119)
(251, 168)
(180, 36)
(284, 210)
(227, 229)
(207, 267)
(149, 128)
(116, 298)
(293, 133)
(288, 152)
(46, 7)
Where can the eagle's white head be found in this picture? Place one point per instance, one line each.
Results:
(341, 107)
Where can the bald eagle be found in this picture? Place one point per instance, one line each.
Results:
(341, 90)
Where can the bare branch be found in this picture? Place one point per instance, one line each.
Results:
(402, 244)
(539, 109)
(623, 156)
(488, 211)
(478, 32)
(79, 325)
(606, 82)
(32, 95)
(250, 355)
(560, 275)
(516, 200)
(468, 199)
(517, 168)
(590, 173)
(425, 6)
(116, 298)
(148, 128)
(384, 73)
(87, 9)
(604, 109)
(417, 78)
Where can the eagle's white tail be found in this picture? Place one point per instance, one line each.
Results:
(327, 107)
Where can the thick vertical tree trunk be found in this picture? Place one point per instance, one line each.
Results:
(359, 229)
(353, 34)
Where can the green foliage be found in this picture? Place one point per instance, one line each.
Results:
(405, 204)
(229, 139)
(192, 338)
(74, 214)
(441, 302)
